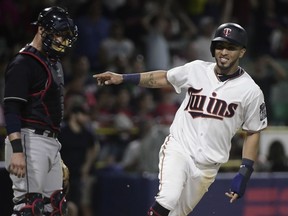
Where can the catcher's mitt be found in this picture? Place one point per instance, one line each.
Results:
(66, 175)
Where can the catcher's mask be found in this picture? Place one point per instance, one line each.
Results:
(60, 32)
(229, 32)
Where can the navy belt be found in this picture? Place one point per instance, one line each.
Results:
(46, 133)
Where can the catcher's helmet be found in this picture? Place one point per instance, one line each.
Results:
(229, 32)
(56, 22)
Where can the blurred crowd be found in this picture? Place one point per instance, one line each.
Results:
(127, 124)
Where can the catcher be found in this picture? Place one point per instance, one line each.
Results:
(33, 114)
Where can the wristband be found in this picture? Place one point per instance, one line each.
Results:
(16, 145)
(247, 162)
(132, 78)
(240, 181)
(246, 167)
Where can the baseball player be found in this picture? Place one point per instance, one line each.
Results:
(221, 98)
(33, 103)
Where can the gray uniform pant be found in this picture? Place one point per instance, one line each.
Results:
(43, 166)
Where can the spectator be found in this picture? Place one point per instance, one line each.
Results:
(141, 154)
(279, 40)
(102, 113)
(156, 44)
(79, 151)
(10, 21)
(277, 157)
(93, 29)
(132, 13)
(144, 107)
(166, 109)
(265, 22)
(131, 157)
(117, 45)
(123, 123)
(267, 73)
(80, 81)
(200, 47)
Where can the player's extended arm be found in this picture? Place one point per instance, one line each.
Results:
(151, 79)
(249, 155)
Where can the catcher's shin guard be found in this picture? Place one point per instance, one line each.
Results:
(34, 205)
(58, 203)
(158, 210)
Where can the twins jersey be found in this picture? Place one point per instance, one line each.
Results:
(213, 110)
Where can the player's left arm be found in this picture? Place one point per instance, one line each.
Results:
(249, 155)
(251, 146)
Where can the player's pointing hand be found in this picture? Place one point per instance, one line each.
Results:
(108, 78)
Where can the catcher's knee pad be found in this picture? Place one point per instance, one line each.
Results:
(34, 205)
(59, 203)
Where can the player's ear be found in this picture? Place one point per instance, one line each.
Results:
(242, 52)
(41, 29)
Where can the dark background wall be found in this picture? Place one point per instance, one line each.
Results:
(131, 195)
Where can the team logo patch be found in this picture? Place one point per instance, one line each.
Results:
(263, 113)
(227, 31)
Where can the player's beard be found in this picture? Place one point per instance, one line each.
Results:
(226, 68)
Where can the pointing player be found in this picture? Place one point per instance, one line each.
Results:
(220, 99)
(33, 104)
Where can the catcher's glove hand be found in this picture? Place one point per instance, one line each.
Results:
(66, 175)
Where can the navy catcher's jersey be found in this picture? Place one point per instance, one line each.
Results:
(39, 84)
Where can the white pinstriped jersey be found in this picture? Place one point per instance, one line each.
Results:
(213, 111)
